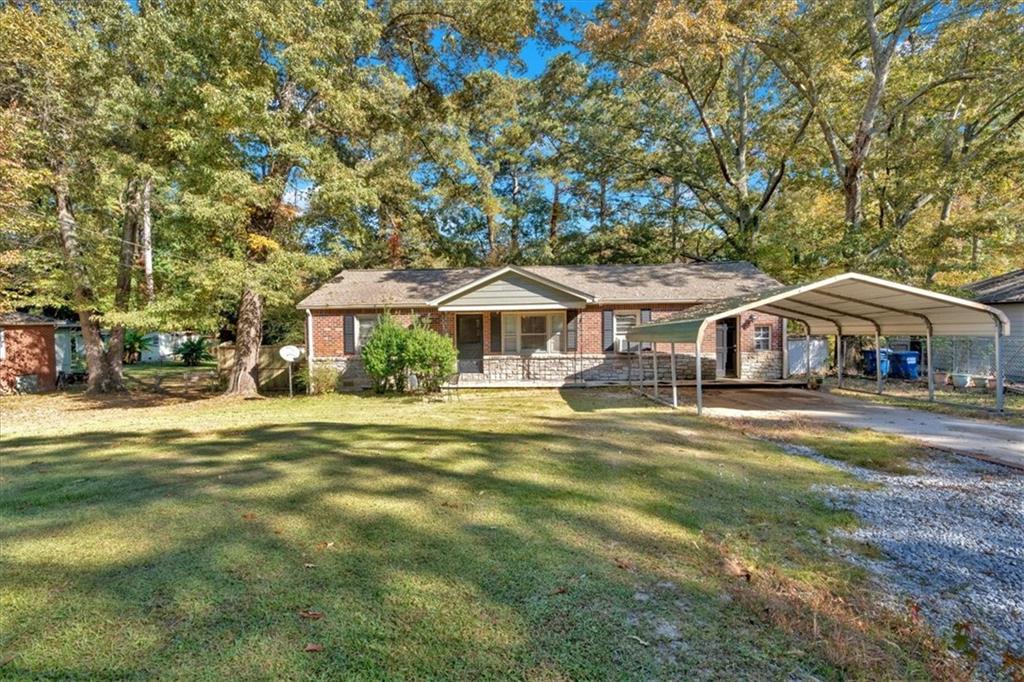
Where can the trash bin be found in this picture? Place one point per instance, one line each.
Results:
(869, 362)
(905, 364)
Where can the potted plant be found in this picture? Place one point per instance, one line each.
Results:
(941, 376)
(961, 380)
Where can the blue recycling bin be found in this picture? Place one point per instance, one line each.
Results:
(906, 364)
(869, 362)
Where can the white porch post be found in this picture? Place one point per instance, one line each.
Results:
(672, 362)
(928, 358)
(807, 349)
(654, 359)
(700, 388)
(999, 365)
(878, 361)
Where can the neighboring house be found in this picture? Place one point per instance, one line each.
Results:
(163, 346)
(27, 361)
(1006, 292)
(549, 325)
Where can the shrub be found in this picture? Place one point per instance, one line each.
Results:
(430, 356)
(135, 344)
(384, 355)
(322, 380)
(193, 352)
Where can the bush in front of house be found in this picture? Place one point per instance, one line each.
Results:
(430, 357)
(384, 355)
(193, 352)
(322, 380)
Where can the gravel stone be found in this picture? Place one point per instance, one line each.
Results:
(951, 538)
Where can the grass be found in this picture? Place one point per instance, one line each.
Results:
(530, 534)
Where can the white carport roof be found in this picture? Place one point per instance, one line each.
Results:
(851, 304)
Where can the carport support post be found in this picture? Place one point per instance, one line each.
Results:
(700, 387)
(928, 358)
(807, 350)
(878, 361)
(654, 359)
(999, 365)
(839, 359)
(640, 365)
(672, 362)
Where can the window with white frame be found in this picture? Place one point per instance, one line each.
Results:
(624, 321)
(533, 332)
(365, 324)
(762, 337)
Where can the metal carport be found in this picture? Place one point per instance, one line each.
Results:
(850, 304)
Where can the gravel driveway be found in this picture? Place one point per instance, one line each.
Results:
(951, 539)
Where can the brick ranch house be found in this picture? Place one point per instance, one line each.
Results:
(27, 356)
(545, 325)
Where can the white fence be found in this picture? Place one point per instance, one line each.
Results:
(798, 354)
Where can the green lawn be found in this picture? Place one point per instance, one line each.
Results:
(531, 534)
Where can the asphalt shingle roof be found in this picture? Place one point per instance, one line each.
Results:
(15, 318)
(676, 282)
(1005, 288)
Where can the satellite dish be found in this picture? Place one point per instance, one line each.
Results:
(290, 353)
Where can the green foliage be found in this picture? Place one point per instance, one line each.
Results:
(430, 357)
(322, 380)
(194, 351)
(135, 344)
(384, 355)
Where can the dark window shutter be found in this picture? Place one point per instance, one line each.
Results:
(645, 317)
(571, 325)
(608, 330)
(495, 332)
(350, 334)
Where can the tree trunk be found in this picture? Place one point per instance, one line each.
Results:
(675, 221)
(145, 233)
(104, 375)
(243, 380)
(602, 212)
(555, 210)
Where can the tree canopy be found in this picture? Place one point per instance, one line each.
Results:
(201, 165)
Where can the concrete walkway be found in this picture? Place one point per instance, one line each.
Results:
(985, 439)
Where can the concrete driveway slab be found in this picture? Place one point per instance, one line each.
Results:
(995, 442)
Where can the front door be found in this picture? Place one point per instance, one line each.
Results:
(469, 340)
(725, 348)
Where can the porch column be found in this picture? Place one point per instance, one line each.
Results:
(654, 360)
(675, 391)
(785, 347)
(878, 361)
(928, 359)
(999, 365)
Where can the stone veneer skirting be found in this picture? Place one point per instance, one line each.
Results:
(761, 365)
(578, 369)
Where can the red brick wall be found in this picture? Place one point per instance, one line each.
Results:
(29, 351)
(328, 327)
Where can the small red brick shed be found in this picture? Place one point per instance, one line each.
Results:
(28, 361)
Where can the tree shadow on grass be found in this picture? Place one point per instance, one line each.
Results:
(432, 550)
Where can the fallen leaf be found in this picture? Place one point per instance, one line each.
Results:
(311, 615)
(450, 505)
(324, 545)
(561, 589)
(313, 648)
(309, 565)
(249, 516)
(645, 643)
(623, 564)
